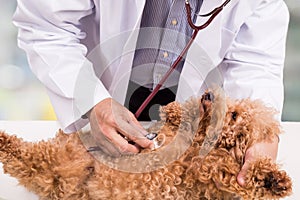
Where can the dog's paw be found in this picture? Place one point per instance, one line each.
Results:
(267, 181)
(278, 183)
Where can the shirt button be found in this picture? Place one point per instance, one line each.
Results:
(174, 22)
(165, 54)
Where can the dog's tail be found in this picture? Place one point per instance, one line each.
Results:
(48, 168)
(11, 156)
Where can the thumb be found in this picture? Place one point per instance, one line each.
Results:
(241, 178)
(242, 174)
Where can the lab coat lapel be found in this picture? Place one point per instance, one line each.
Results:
(210, 38)
(203, 56)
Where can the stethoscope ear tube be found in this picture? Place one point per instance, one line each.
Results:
(196, 29)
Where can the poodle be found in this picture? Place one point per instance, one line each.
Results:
(200, 150)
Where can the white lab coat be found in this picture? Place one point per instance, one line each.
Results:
(244, 45)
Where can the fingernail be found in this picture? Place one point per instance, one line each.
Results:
(241, 181)
(152, 147)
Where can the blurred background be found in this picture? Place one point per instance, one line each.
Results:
(22, 97)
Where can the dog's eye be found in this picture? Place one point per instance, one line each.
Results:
(234, 115)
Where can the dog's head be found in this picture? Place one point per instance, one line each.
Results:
(247, 122)
(226, 129)
(222, 122)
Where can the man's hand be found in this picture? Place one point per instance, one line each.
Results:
(113, 126)
(265, 149)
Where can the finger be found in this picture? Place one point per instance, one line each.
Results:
(137, 123)
(121, 143)
(135, 134)
(143, 131)
(150, 144)
(113, 143)
(109, 149)
(241, 178)
(105, 144)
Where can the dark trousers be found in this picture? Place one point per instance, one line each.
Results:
(137, 94)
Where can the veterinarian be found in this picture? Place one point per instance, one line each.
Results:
(245, 43)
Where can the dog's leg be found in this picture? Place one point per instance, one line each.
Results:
(54, 169)
(266, 181)
(13, 156)
(217, 173)
(212, 175)
(9, 147)
(19, 162)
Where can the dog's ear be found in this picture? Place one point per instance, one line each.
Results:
(264, 124)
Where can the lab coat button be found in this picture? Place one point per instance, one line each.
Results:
(165, 54)
(174, 22)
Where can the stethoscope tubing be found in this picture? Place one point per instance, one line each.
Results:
(196, 29)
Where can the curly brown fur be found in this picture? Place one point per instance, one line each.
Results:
(61, 168)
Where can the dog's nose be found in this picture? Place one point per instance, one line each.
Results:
(209, 96)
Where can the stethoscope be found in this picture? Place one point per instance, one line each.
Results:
(153, 136)
(196, 29)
